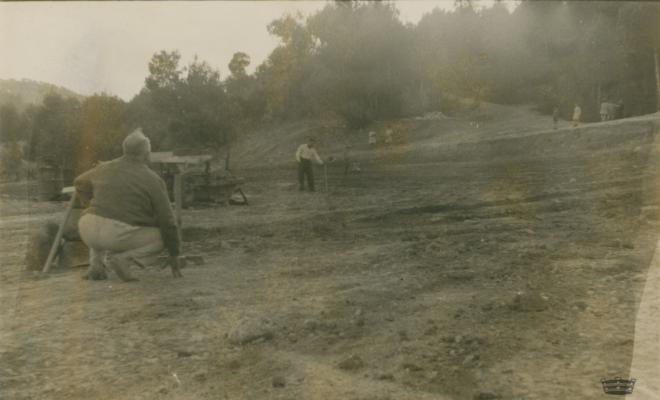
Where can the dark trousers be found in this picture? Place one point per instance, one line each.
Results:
(305, 169)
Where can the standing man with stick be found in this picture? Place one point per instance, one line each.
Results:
(128, 219)
(304, 156)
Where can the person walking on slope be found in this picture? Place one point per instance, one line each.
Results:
(304, 156)
(555, 117)
(372, 138)
(128, 219)
(388, 136)
(577, 115)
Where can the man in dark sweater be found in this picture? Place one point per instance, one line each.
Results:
(128, 219)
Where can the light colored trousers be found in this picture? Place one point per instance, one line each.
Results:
(114, 241)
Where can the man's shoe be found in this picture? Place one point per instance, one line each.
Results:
(95, 274)
(121, 270)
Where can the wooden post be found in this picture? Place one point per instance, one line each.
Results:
(657, 77)
(228, 157)
(58, 237)
(178, 199)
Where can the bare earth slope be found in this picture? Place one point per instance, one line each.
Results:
(480, 266)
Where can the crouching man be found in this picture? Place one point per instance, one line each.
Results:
(128, 219)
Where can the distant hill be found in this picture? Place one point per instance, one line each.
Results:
(25, 92)
(413, 137)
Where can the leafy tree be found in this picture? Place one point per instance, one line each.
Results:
(281, 76)
(12, 124)
(164, 71)
(638, 27)
(247, 95)
(183, 107)
(103, 122)
(361, 61)
(55, 133)
(11, 161)
(239, 62)
(204, 116)
(142, 112)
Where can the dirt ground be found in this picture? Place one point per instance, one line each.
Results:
(508, 265)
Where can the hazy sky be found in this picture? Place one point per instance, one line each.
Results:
(92, 47)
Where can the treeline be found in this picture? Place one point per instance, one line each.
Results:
(353, 63)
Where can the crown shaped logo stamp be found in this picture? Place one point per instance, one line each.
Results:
(618, 385)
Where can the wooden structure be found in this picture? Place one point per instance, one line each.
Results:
(171, 168)
(189, 179)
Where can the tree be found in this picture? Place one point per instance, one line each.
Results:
(104, 124)
(183, 107)
(204, 118)
(244, 91)
(12, 124)
(11, 161)
(55, 133)
(638, 26)
(360, 64)
(164, 71)
(239, 62)
(281, 76)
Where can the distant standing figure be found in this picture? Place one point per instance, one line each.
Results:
(304, 155)
(388, 136)
(349, 165)
(555, 117)
(372, 138)
(610, 111)
(603, 111)
(577, 114)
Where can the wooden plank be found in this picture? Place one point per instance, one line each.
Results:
(157, 156)
(58, 236)
(167, 157)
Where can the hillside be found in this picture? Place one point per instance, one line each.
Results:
(24, 92)
(413, 137)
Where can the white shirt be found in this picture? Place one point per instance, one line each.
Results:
(388, 136)
(577, 113)
(306, 152)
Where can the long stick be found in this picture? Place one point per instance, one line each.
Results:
(58, 236)
(178, 199)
